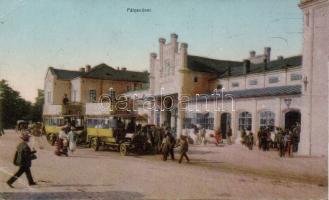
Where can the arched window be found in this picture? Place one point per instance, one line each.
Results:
(267, 119)
(245, 121)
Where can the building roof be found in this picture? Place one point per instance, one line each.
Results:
(222, 67)
(65, 74)
(257, 92)
(202, 64)
(103, 71)
(273, 65)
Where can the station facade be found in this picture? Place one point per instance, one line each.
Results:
(216, 94)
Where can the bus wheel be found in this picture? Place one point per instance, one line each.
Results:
(123, 150)
(95, 144)
(89, 142)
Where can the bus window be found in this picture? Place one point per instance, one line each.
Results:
(113, 123)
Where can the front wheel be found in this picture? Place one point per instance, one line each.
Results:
(123, 150)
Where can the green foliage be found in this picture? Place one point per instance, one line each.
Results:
(12, 106)
(36, 110)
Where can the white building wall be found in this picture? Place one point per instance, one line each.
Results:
(224, 82)
(167, 66)
(258, 77)
(252, 105)
(97, 108)
(282, 76)
(314, 135)
(49, 109)
(262, 79)
(240, 80)
(76, 88)
(49, 88)
(294, 71)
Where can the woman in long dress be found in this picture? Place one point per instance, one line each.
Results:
(72, 139)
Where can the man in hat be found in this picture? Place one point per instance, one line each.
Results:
(23, 158)
(183, 143)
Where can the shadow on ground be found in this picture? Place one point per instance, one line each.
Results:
(116, 195)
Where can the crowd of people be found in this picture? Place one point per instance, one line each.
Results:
(66, 140)
(162, 140)
(285, 141)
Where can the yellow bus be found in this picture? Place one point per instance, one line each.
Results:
(53, 125)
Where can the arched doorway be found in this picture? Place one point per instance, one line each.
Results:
(225, 123)
(291, 119)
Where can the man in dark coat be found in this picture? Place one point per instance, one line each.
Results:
(280, 142)
(23, 158)
(172, 144)
(183, 149)
(250, 140)
(65, 100)
(168, 146)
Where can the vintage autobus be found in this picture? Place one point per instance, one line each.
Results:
(53, 125)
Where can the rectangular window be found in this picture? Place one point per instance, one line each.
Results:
(92, 95)
(273, 79)
(49, 97)
(245, 121)
(295, 77)
(74, 96)
(253, 82)
(235, 84)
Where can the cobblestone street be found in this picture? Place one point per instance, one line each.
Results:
(229, 172)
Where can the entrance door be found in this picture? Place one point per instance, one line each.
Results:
(225, 123)
(291, 118)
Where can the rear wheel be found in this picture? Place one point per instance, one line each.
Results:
(123, 150)
(95, 143)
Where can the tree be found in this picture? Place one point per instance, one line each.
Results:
(12, 106)
(36, 110)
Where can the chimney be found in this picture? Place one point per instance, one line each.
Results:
(267, 53)
(246, 66)
(123, 68)
(82, 69)
(88, 68)
(118, 68)
(252, 54)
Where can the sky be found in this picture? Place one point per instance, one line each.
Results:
(70, 34)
